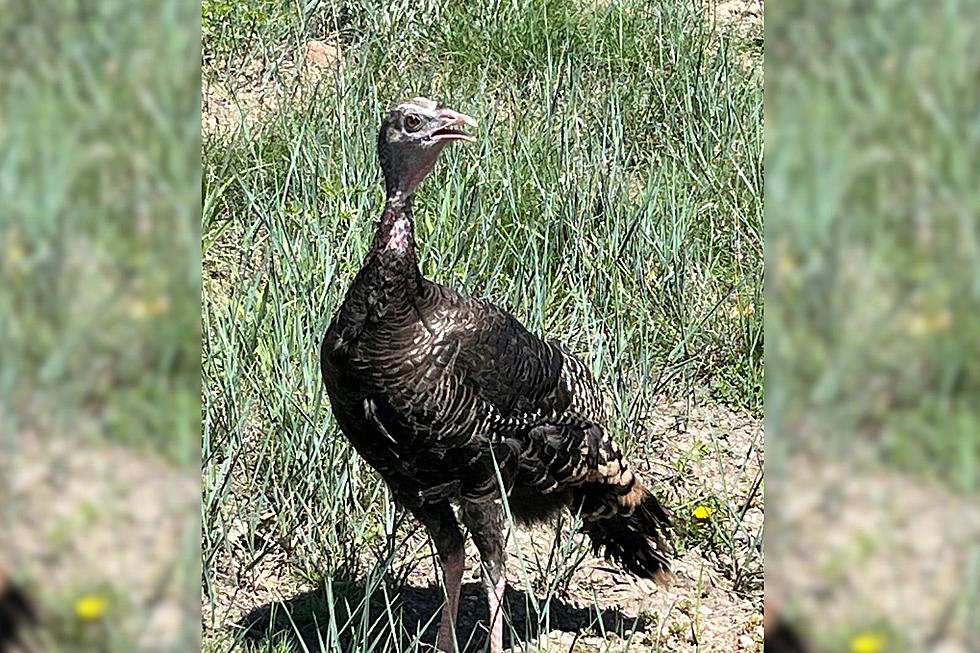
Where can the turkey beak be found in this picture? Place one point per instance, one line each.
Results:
(450, 120)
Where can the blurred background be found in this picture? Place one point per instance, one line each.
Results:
(872, 323)
(99, 321)
(873, 287)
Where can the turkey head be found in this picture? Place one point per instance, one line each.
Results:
(411, 138)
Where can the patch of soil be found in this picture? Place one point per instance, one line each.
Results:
(739, 14)
(742, 19)
(259, 88)
(859, 546)
(82, 516)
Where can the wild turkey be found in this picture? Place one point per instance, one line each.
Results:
(438, 391)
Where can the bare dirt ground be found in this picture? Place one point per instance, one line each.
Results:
(855, 546)
(741, 15)
(714, 603)
(83, 517)
(258, 88)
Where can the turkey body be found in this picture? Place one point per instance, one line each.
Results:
(452, 400)
(441, 394)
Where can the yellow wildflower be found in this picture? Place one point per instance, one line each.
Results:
(703, 512)
(738, 310)
(867, 643)
(91, 607)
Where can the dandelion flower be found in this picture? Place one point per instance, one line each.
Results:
(91, 607)
(867, 643)
(703, 512)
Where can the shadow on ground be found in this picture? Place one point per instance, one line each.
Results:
(303, 620)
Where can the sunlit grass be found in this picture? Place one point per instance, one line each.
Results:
(872, 233)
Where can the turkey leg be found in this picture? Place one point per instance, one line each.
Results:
(487, 524)
(441, 524)
(452, 573)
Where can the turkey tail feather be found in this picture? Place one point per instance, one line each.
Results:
(635, 537)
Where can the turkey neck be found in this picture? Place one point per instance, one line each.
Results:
(396, 279)
(396, 231)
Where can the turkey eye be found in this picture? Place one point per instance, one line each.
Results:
(412, 122)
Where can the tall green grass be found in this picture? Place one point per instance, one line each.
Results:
(98, 234)
(872, 237)
(614, 201)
